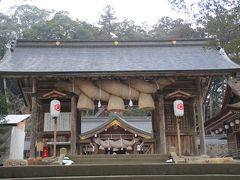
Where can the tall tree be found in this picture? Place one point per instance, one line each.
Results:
(221, 19)
(25, 16)
(8, 32)
(61, 26)
(127, 30)
(168, 28)
(107, 22)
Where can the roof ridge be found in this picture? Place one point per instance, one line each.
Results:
(110, 43)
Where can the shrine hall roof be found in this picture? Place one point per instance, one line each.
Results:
(79, 57)
(141, 125)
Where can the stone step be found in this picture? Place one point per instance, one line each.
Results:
(80, 159)
(110, 161)
(137, 177)
(122, 170)
(120, 156)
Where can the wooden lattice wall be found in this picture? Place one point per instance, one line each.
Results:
(186, 129)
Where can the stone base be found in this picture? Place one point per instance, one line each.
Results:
(11, 162)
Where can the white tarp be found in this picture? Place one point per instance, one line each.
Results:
(14, 118)
(17, 143)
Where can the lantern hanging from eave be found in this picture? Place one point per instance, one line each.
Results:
(226, 126)
(178, 107)
(55, 108)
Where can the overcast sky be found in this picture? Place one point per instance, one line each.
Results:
(149, 11)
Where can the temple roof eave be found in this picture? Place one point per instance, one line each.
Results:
(223, 116)
(130, 73)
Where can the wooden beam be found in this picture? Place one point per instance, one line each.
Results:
(33, 119)
(25, 98)
(174, 133)
(206, 85)
(64, 75)
(73, 145)
(27, 90)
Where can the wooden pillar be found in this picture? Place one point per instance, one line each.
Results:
(79, 126)
(40, 123)
(156, 134)
(5, 91)
(194, 128)
(55, 137)
(178, 120)
(159, 117)
(156, 130)
(201, 126)
(73, 125)
(135, 149)
(162, 128)
(33, 119)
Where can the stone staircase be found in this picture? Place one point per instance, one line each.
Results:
(119, 159)
(123, 167)
(124, 172)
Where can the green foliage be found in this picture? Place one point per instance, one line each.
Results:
(5, 139)
(221, 19)
(216, 18)
(30, 22)
(3, 105)
(168, 28)
(127, 30)
(15, 101)
(7, 32)
(25, 16)
(215, 97)
(61, 26)
(107, 22)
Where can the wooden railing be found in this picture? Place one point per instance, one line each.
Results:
(234, 154)
(148, 149)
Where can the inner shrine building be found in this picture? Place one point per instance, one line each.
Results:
(116, 96)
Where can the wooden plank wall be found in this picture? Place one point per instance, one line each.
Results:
(186, 126)
(187, 143)
(186, 129)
